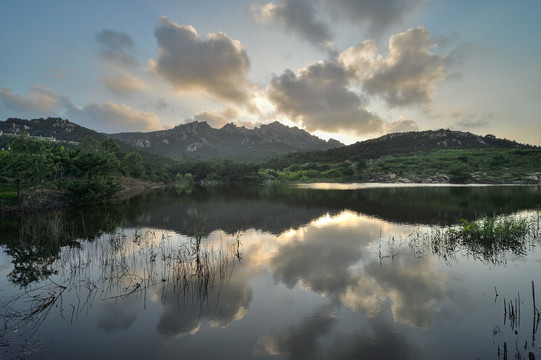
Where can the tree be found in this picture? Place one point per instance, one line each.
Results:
(133, 164)
(28, 160)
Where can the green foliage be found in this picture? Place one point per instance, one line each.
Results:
(133, 164)
(89, 172)
(459, 173)
(183, 182)
(490, 235)
(28, 161)
(459, 165)
(97, 188)
(487, 238)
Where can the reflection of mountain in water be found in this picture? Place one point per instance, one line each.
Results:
(276, 209)
(34, 241)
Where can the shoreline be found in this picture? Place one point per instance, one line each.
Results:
(51, 199)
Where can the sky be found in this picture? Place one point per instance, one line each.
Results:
(344, 69)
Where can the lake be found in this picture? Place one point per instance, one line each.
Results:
(316, 271)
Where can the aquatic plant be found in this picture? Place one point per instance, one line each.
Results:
(491, 233)
(488, 238)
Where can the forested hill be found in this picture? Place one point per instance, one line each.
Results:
(198, 140)
(407, 143)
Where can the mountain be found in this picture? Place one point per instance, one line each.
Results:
(421, 141)
(406, 143)
(56, 128)
(198, 140)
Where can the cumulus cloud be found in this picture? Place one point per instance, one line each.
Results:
(334, 95)
(217, 64)
(111, 117)
(406, 76)
(124, 84)
(116, 47)
(39, 101)
(108, 117)
(377, 15)
(298, 16)
(319, 98)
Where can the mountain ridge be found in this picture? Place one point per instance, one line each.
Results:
(198, 140)
(191, 141)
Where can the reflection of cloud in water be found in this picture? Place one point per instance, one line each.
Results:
(340, 264)
(365, 295)
(413, 285)
(181, 314)
(310, 340)
(301, 342)
(321, 258)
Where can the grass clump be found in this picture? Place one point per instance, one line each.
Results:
(488, 239)
(491, 231)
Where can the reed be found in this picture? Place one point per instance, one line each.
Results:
(136, 264)
(487, 238)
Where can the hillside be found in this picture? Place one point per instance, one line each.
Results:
(56, 128)
(439, 156)
(400, 144)
(198, 140)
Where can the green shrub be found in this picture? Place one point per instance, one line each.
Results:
(94, 189)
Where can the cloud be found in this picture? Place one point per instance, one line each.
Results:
(402, 125)
(217, 64)
(303, 16)
(124, 84)
(473, 121)
(217, 119)
(333, 95)
(377, 15)
(319, 98)
(111, 117)
(116, 48)
(39, 101)
(458, 48)
(406, 77)
(298, 16)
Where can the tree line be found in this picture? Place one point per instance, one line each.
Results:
(91, 171)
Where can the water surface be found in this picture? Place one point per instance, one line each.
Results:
(269, 272)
